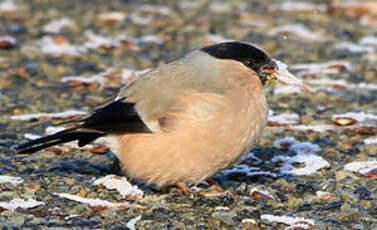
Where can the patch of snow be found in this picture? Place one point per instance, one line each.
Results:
(72, 216)
(10, 179)
(255, 22)
(150, 39)
(141, 20)
(55, 26)
(8, 39)
(128, 74)
(262, 173)
(314, 128)
(31, 136)
(131, 223)
(99, 78)
(362, 167)
(304, 148)
(298, 6)
(69, 113)
(120, 184)
(305, 154)
(360, 117)
(368, 40)
(20, 203)
(252, 157)
(300, 226)
(284, 118)
(330, 67)
(92, 202)
(264, 192)
(96, 41)
(353, 48)
(323, 82)
(323, 195)
(54, 129)
(8, 6)
(320, 193)
(312, 164)
(371, 141)
(364, 85)
(141, 40)
(50, 47)
(155, 9)
(288, 220)
(114, 16)
(247, 170)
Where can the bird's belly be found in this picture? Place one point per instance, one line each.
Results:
(190, 154)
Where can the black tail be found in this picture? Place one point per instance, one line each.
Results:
(117, 117)
(72, 134)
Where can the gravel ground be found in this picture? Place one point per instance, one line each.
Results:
(315, 167)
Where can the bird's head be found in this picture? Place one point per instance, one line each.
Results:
(268, 69)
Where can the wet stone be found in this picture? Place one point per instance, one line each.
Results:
(302, 188)
(225, 217)
(305, 207)
(363, 192)
(332, 206)
(17, 220)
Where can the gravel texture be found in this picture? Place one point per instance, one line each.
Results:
(314, 167)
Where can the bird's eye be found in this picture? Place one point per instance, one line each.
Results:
(248, 62)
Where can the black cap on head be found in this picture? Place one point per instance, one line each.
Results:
(247, 54)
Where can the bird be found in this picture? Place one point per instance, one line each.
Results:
(184, 121)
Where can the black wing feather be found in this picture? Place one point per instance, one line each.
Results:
(114, 118)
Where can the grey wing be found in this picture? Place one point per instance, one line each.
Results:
(155, 93)
(146, 104)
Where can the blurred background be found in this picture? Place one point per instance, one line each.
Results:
(61, 59)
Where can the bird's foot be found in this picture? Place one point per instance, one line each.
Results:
(214, 189)
(182, 187)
